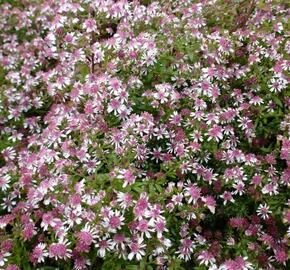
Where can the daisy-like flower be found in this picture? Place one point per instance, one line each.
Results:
(165, 243)
(239, 187)
(177, 199)
(271, 188)
(281, 256)
(8, 203)
(3, 258)
(9, 153)
(245, 122)
(115, 106)
(4, 182)
(145, 227)
(81, 263)
(239, 263)
(119, 242)
(196, 136)
(160, 227)
(136, 249)
(103, 245)
(125, 200)
(210, 202)
(205, 257)
(264, 211)
(256, 100)
(87, 235)
(60, 250)
(185, 249)
(277, 84)
(113, 221)
(215, 133)
(175, 118)
(39, 253)
(128, 177)
(156, 154)
(193, 192)
(227, 197)
(90, 25)
(163, 93)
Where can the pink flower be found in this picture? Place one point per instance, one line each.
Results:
(128, 176)
(205, 257)
(193, 192)
(103, 245)
(210, 202)
(281, 256)
(136, 249)
(185, 249)
(60, 250)
(113, 221)
(227, 197)
(215, 133)
(90, 25)
(87, 235)
(81, 263)
(39, 253)
(145, 227)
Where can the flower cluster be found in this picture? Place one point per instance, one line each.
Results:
(150, 134)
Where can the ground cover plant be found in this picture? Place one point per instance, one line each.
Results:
(144, 134)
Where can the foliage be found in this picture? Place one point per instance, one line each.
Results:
(144, 134)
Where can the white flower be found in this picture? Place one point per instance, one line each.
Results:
(136, 249)
(270, 189)
(3, 258)
(104, 245)
(263, 211)
(206, 258)
(4, 182)
(39, 252)
(277, 84)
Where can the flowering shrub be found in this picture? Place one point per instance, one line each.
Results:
(144, 134)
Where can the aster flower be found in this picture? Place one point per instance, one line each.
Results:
(281, 256)
(116, 106)
(8, 203)
(227, 197)
(136, 249)
(39, 253)
(3, 258)
(206, 258)
(118, 242)
(239, 187)
(125, 101)
(239, 263)
(210, 202)
(264, 211)
(103, 245)
(90, 25)
(87, 235)
(145, 227)
(215, 133)
(113, 221)
(193, 192)
(271, 188)
(81, 263)
(4, 182)
(277, 84)
(160, 227)
(128, 176)
(60, 250)
(124, 199)
(185, 249)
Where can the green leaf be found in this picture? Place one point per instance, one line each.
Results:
(278, 101)
(132, 267)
